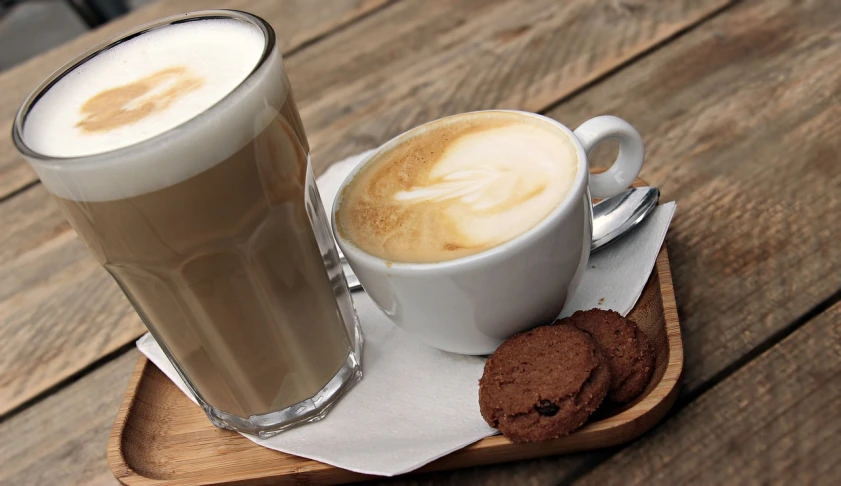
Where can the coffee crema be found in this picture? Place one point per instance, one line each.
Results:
(457, 187)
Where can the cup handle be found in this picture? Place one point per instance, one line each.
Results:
(631, 153)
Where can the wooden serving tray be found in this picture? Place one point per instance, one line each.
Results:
(161, 437)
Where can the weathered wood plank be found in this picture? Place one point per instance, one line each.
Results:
(399, 67)
(775, 421)
(45, 268)
(62, 439)
(376, 80)
(295, 21)
(740, 119)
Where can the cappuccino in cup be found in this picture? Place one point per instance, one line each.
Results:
(458, 187)
(179, 157)
(471, 228)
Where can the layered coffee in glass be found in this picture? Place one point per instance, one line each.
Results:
(179, 157)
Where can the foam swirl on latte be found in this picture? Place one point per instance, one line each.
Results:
(459, 186)
(195, 85)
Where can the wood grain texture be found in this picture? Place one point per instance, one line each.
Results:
(296, 22)
(160, 437)
(45, 268)
(405, 64)
(59, 310)
(775, 421)
(740, 119)
(62, 439)
(419, 60)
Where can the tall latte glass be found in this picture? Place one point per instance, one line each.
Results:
(179, 157)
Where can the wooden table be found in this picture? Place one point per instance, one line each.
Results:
(740, 107)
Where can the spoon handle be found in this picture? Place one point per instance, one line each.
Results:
(619, 214)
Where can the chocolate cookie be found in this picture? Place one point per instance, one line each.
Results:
(543, 383)
(629, 354)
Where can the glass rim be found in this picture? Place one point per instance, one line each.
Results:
(269, 46)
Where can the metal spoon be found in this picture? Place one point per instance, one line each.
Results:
(615, 216)
(612, 218)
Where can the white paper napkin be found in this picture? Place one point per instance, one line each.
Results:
(416, 403)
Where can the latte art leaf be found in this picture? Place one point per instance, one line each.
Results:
(480, 189)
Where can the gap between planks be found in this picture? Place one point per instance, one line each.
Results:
(20, 190)
(70, 380)
(644, 53)
(339, 28)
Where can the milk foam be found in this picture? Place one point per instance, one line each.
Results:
(150, 86)
(485, 186)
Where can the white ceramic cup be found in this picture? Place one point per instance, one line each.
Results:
(470, 305)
